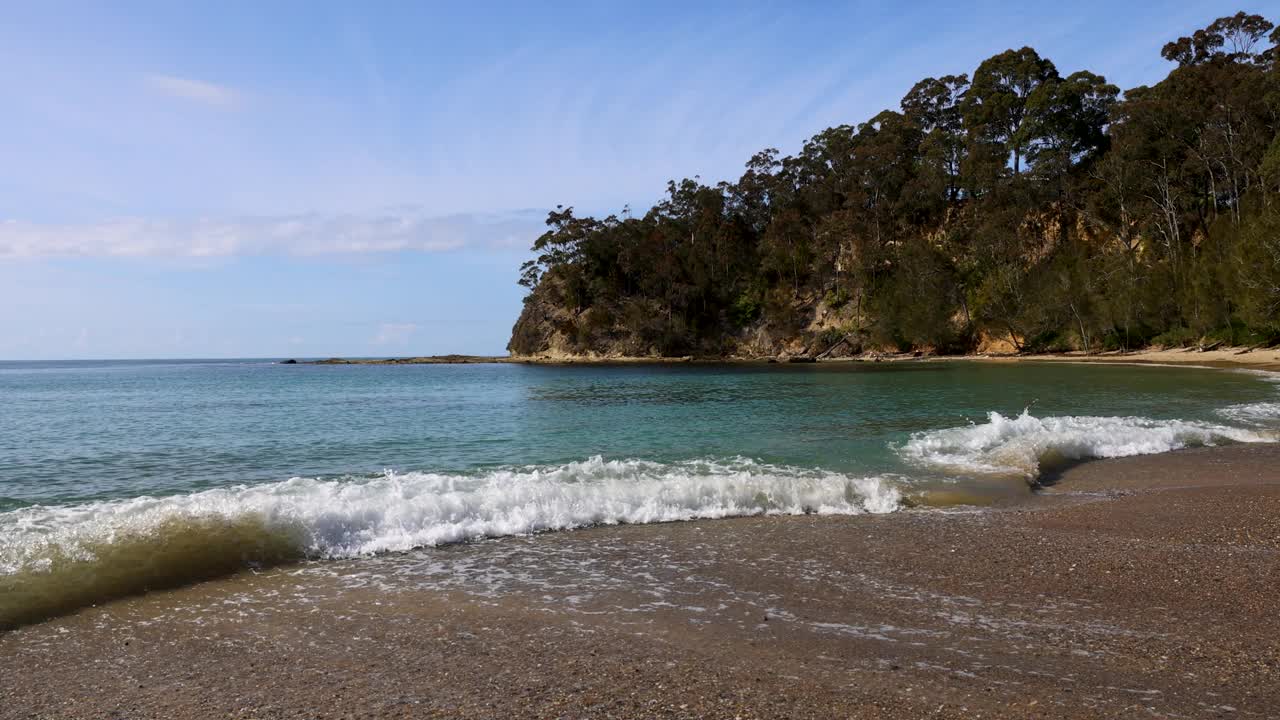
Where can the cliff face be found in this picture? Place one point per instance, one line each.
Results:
(544, 329)
(926, 311)
(808, 326)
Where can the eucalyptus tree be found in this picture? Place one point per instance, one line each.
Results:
(935, 105)
(996, 103)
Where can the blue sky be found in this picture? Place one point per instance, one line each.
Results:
(309, 179)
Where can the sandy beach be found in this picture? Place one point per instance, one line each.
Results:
(1249, 358)
(1139, 586)
(1260, 359)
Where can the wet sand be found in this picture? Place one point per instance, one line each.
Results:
(1129, 588)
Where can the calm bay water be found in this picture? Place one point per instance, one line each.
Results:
(79, 431)
(118, 476)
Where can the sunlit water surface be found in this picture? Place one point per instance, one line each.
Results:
(116, 476)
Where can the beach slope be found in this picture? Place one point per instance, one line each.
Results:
(1136, 587)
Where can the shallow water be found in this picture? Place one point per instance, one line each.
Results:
(120, 476)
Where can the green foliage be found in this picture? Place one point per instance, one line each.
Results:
(1176, 337)
(837, 298)
(1010, 202)
(1237, 333)
(996, 110)
(746, 309)
(830, 336)
(783, 313)
(1113, 341)
(1051, 341)
(1255, 263)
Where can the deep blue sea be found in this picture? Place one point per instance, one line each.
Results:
(129, 473)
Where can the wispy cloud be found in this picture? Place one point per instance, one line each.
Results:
(298, 235)
(394, 333)
(198, 91)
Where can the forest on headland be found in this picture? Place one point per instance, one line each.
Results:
(1011, 208)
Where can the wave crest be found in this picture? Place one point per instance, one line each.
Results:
(1024, 444)
(1261, 413)
(53, 559)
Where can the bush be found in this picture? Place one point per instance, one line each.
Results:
(837, 298)
(1176, 337)
(746, 309)
(1132, 338)
(1050, 341)
(1238, 334)
(781, 312)
(830, 336)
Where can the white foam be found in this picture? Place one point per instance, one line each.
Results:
(399, 511)
(1021, 444)
(1260, 413)
(1265, 375)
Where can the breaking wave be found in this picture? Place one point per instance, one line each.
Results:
(1261, 414)
(1023, 445)
(56, 559)
(1257, 414)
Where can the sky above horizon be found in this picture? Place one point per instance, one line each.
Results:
(294, 179)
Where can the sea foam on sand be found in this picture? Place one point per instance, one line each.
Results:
(1022, 445)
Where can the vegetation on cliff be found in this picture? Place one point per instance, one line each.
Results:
(1017, 204)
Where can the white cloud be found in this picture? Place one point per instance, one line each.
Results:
(394, 333)
(194, 90)
(310, 234)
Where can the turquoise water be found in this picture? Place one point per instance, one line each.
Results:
(105, 462)
(79, 431)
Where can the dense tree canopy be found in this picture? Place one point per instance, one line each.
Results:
(1015, 205)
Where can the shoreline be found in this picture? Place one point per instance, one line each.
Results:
(1225, 358)
(1136, 585)
(1259, 359)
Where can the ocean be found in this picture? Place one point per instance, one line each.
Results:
(121, 476)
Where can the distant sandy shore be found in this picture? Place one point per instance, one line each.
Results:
(1141, 587)
(1261, 359)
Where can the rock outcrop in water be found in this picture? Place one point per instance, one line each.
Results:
(1016, 209)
